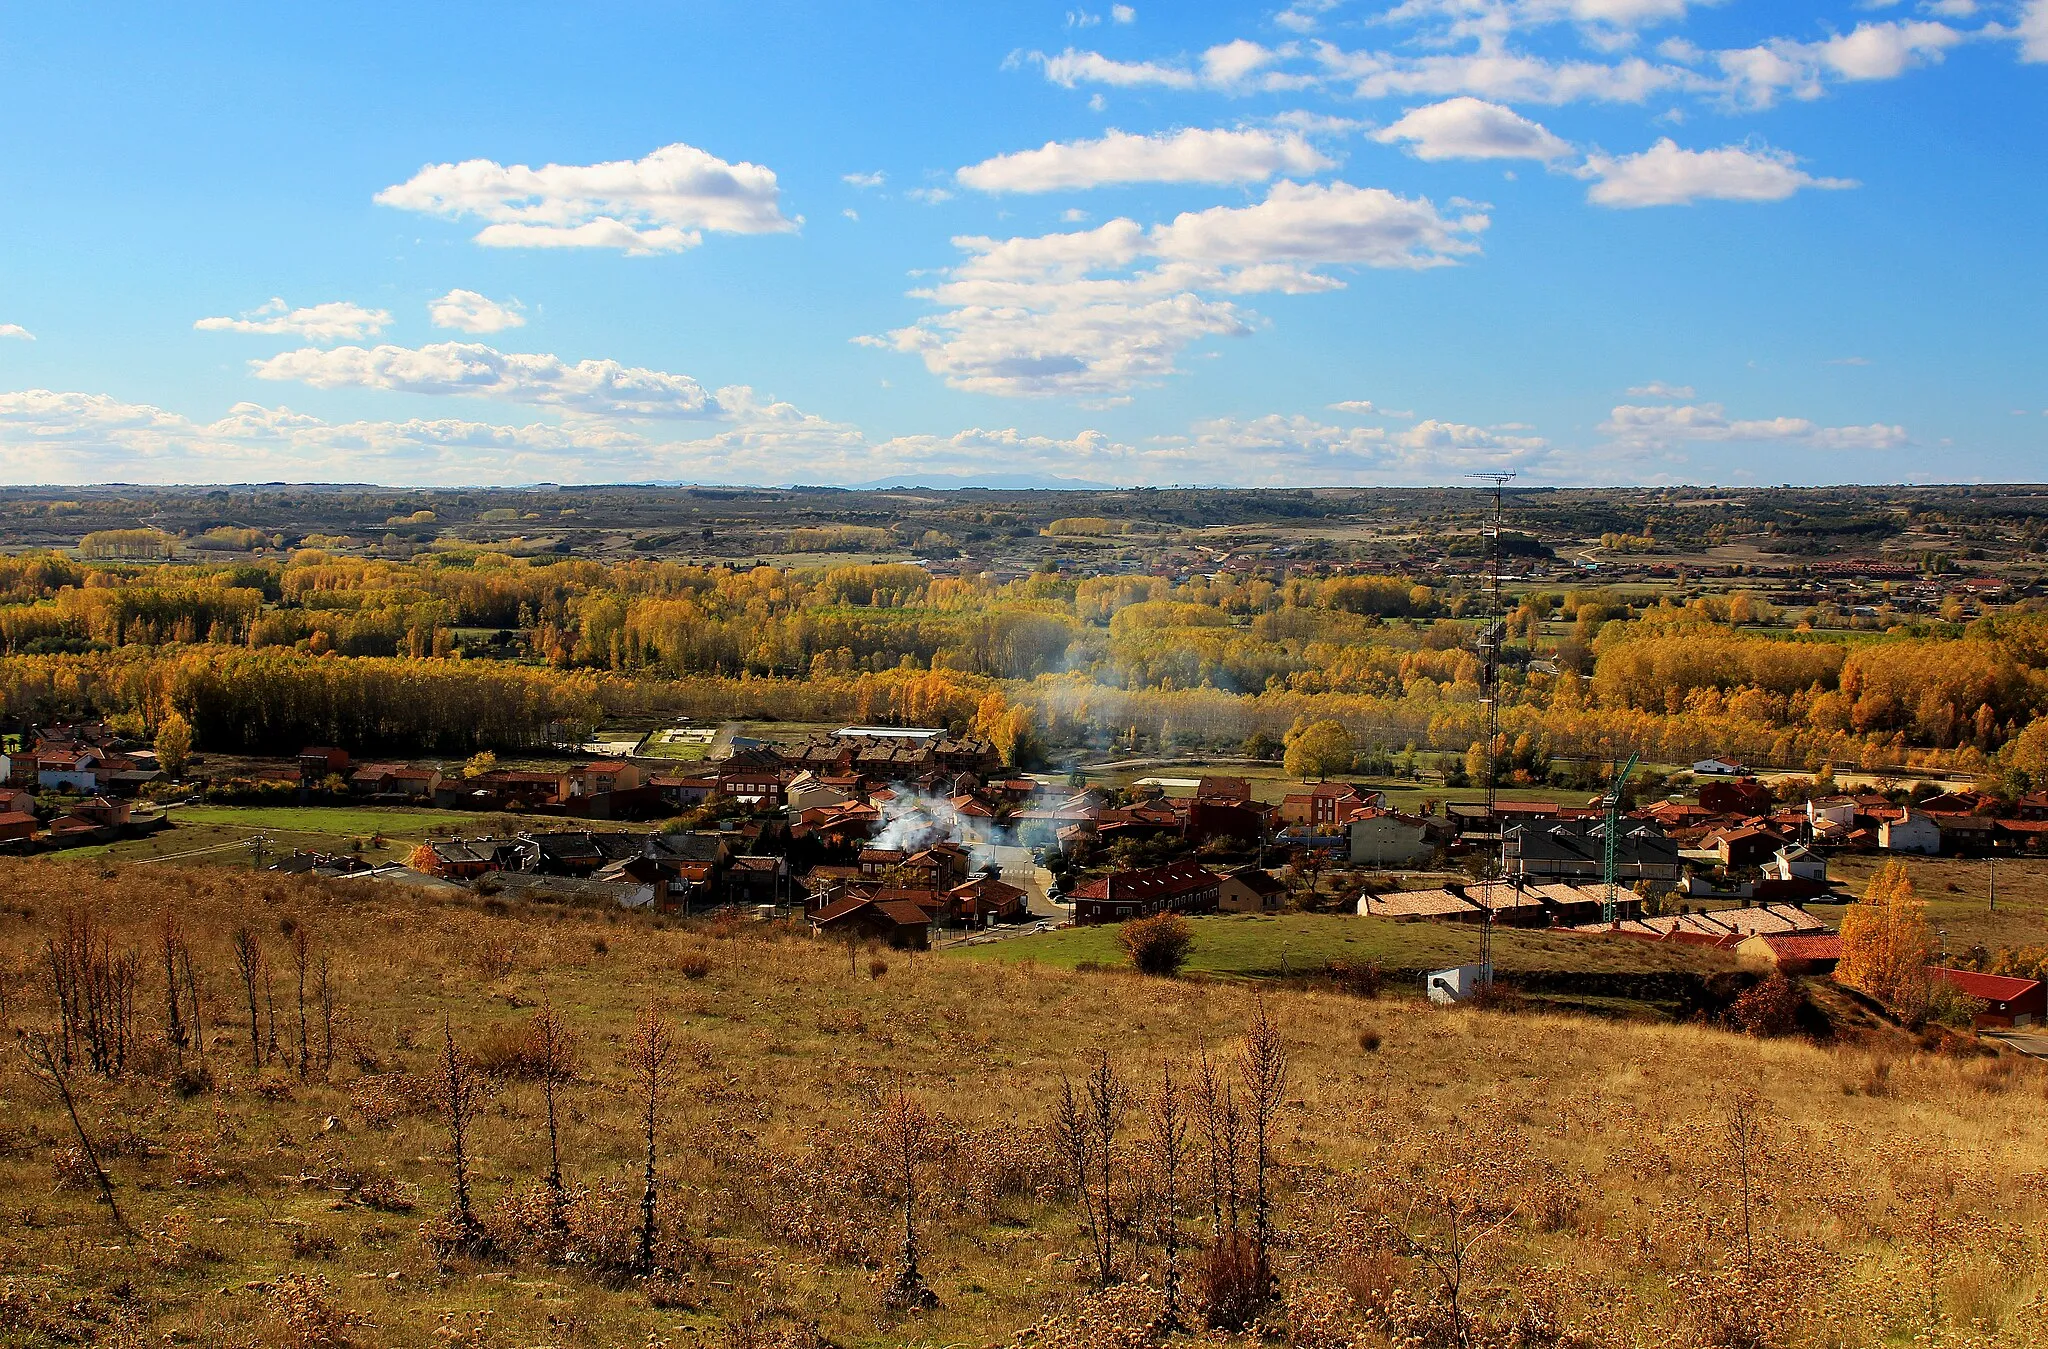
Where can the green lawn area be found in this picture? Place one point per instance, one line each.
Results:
(216, 834)
(1259, 946)
(1958, 896)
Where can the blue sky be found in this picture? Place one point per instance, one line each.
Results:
(1595, 241)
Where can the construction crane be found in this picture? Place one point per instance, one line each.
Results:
(1612, 801)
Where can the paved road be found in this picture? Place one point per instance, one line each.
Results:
(2031, 1042)
(1019, 869)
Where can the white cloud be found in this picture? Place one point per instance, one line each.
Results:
(1657, 388)
(1756, 76)
(1365, 407)
(850, 213)
(336, 321)
(1237, 66)
(1094, 313)
(1665, 175)
(660, 204)
(1299, 449)
(930, 196)
(1502, 76)
(1071, 68)
(17, 332)
(1123, 14)
(50, 437)
(865, 180)
(2033, 31)
(1471, 128)
(592, 388)
(1666, 426)
(473, 313)
(1189, 156)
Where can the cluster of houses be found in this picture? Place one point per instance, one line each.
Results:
(89, 773)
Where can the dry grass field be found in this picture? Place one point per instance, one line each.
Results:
(1461, 1177)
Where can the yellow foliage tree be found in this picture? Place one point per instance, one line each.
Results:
(1886, 943)
(1318, 750)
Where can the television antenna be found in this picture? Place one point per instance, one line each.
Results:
(1490, 639)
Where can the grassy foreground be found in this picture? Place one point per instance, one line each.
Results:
(1895, 1201)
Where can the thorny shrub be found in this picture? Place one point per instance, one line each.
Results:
(1159, 944)
(312, 1317)
(1768, 1009)
(384, 1099)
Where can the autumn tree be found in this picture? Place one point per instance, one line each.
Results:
(1886, 943)
(173, 744)
(1318, 750)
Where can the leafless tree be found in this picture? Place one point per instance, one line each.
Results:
(1745, 1155)
(249, 963)
(905, 1131)
(1167, 1116)
(651, 1055)
(461, 1092)
(93, 988)
(171, 944)
(326, 1019)
(1262, 1067)
(1086, 1125)
(46, 1065)
(1223, 1136)
(551, 1050)
(302, 964)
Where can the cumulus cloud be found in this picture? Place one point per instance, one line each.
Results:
(469, 312)
(1665, 175)
(865, 180)
(1094, 313)
(660, 204)
(17, 332)
(1236, 67)
(1758, 75)
(1123, 14)
(1495, 73)
(1665, 427)
(1471, 128)
(1300, 449)
(336, 321)
(2033, 31)
(596, 388)
(1657, 388)
(1193, 155)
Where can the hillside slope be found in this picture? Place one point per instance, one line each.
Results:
(1594, 1162)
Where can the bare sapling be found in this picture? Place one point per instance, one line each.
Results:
(1167, 1115)
(170, 942)
(249, 964)
(461, 1092)
(46, 1065)
(1262, 1067)
(1223, 1136)
(302, 964)
(551, 1051)
(905, 1133)
(651, 1057)
(1086, 1125)
(326, 988)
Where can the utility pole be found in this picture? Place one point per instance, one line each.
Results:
(1490, 639)
(1991, 878)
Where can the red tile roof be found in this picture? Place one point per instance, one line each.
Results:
(1987, 987)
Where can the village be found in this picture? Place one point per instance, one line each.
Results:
(914, 838)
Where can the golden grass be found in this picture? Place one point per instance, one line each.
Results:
(1606, 1140)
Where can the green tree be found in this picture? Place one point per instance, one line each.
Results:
(174, 744)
